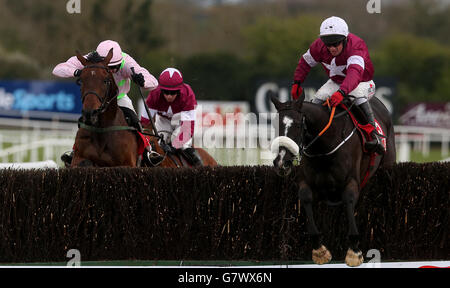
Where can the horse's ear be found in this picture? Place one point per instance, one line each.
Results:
(275, 102)
(298, 103)
(108, 57)
(81, 58)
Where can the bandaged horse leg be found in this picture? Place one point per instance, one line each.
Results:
(350, 196)
(320, 254)
(67, 158)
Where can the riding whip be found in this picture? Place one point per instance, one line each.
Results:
(146, 108)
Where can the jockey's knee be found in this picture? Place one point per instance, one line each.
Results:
(359, 100)
(317, 101)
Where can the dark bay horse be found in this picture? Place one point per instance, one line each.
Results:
(104, 138)
(172, 160)
(332, 166)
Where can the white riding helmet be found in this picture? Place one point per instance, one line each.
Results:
(104, 47)
(333, 29)
(334, 26)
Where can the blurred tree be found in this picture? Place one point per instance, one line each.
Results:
(420, 65)
(138, 29)
(218, 76)
(276, 45)
(247, 42)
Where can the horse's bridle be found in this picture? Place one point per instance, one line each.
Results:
(104, 101)
(304, 130)
(303, 147)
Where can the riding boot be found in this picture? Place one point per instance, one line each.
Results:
(67, 158)
(192, 156)
(375, 143)
(132, 118)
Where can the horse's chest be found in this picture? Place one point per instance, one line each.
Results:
(328, 183)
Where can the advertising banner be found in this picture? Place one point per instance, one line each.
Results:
(42, 100)
(427, 115)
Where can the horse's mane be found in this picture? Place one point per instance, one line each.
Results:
(94, 57)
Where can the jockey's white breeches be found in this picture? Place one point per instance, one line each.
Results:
(363, 92)
(125, 101)
(171, 128)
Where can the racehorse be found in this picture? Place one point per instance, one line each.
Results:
(104, 138)
(169, 159)
(333, 166)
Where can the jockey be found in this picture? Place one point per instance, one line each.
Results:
(120, 65)
(346, 60)
(174, 104)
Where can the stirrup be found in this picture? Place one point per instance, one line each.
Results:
(153, 157)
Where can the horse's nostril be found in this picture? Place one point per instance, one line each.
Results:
(287, 164)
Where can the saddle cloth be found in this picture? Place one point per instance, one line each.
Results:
(143, 143)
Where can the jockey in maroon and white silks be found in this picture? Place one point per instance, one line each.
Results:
(174, 104)
(345, 58)
(349, 69)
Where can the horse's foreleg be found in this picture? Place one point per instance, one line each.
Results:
(320, 254)
(354, 255)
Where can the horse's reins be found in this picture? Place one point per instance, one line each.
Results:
(333, 109)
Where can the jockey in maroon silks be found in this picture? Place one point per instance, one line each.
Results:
(346, 60)
(174, 104)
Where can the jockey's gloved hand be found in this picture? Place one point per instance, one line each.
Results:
(77, 73)
(138, 79)
(296, 90)
(337, 98)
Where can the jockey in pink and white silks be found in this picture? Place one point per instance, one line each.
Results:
(345, 58)
(174, 104)
(120, 65)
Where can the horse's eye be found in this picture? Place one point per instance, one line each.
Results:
(107, 81)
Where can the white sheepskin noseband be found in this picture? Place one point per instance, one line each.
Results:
(286, 142)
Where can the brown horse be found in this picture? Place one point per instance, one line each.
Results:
(104, 138)
(333, 166)
(170, 159)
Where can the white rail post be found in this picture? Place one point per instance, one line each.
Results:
(404, 149)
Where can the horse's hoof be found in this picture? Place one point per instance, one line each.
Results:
(353, 259)
(321, 255)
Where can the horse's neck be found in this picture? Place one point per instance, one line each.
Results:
(316, 117)
(112, 115)
(316, 120)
